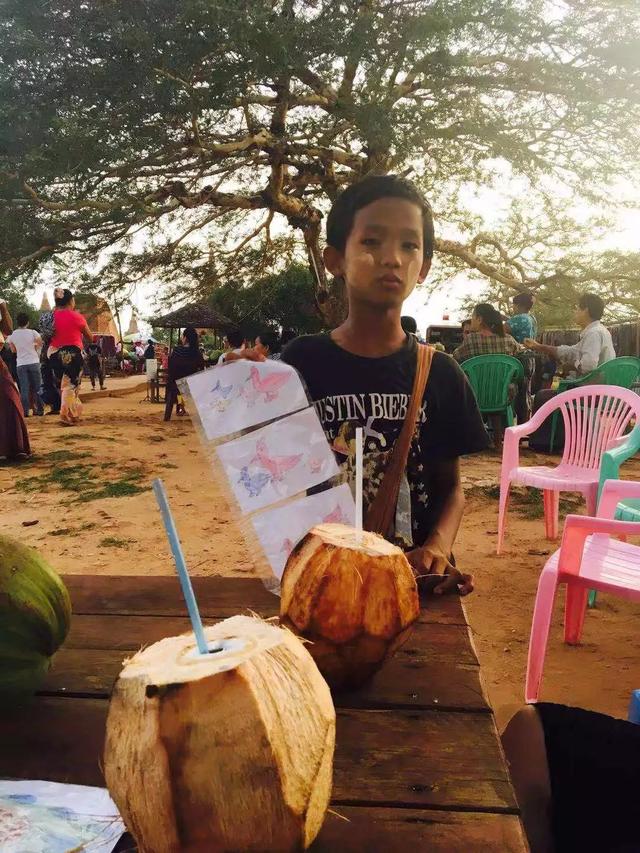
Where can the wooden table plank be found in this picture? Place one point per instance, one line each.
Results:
(399, 830)
(437, 682)
(218, 597)
(410, 758)
(420, 758)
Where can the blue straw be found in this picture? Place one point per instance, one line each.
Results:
(181, 566)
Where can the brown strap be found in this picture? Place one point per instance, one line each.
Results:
(6, 327)
(382, 509)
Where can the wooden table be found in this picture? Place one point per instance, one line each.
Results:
(418, 763)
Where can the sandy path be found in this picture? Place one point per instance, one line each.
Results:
(123, 441)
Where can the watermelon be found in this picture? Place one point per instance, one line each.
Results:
(35, 614)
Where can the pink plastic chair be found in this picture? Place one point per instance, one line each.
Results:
(595, 417)
(589, 558)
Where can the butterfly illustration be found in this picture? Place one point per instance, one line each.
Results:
(277, 466)
(255, 483)
(336, 516)
(221, 392)
(267, 387)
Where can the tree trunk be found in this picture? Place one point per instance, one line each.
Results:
(331, 296)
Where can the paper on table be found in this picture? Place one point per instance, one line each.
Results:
(50, 817)
(261, 474)
(279, 530)
(243, 394)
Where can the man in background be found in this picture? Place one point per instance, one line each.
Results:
(26, 343)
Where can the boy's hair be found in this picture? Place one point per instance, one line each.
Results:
(409, 324)
(271, 340)
(466, 322)
(594, 305)
(22, 319)
(235, 338)
(523, 300)
(365, 192)
(287, 335)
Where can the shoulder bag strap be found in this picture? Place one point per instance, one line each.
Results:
(382, 510)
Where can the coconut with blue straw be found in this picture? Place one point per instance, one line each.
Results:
(221, 739)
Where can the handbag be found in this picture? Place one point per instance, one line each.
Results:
(381, 511)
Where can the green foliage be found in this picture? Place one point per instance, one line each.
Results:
(17, 303)
(284, 299)
(204, 141)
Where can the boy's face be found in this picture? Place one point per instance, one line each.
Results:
(583, 318)
(384, 254)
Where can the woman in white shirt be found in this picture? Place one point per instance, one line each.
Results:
(26, 344)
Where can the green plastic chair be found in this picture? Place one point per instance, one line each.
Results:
(623, 372)
(627, 510)
(490, 377)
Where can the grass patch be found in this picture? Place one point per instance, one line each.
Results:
(114, 542)
(168, 465)
(63, 456)
(83, 482)
(66, 531)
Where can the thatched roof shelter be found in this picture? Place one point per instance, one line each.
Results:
(199, 315)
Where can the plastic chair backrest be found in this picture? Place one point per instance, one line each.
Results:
(490, 377)
(593, 416)
(623, 372)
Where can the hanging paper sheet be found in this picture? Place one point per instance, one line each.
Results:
(243, 394)
(280, 529)
(278, 461)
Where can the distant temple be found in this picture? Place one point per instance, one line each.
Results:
(45, 305)
(97, 313)
(133, 324)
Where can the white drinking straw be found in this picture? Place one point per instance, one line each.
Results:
(359, 484)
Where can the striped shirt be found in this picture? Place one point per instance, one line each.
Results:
(475, 343)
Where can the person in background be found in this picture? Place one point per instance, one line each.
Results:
(65, 353)
(487, 336)
(95, 364)
(410, 326)
(50, 390)
(466, 328)
(140, 357)
(595, 345)
(234, 342)
(183, 361)
(150, 351)
(14, 438)
(26, 343)
(593, 349)
(522, 324)
(266, 347)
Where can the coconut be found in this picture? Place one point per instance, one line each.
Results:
(222, 752)
(354, 596)
(35, 614)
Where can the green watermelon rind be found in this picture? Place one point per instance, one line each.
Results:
(35, 615)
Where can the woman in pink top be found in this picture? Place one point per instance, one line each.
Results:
(65, 353)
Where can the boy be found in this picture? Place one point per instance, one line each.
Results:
(26, 344)
(380, 241)
(95, 364)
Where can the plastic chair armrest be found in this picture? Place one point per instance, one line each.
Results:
(576, 530)
(613, 492)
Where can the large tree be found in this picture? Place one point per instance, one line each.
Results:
(185, 134)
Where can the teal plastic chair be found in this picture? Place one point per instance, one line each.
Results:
(629, 509)
(490, 377)
(623, 372)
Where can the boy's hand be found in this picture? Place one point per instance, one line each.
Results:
(433, 571)
(531, 344)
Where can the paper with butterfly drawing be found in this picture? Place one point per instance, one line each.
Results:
(278, 461)
(243, 394)
(280, 529)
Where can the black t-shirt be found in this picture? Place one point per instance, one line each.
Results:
(350, 391)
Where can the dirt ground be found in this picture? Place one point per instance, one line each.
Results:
(85, 501)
